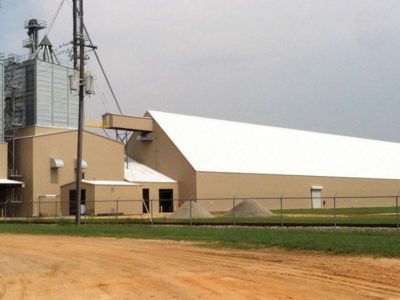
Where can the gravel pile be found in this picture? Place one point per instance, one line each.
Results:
(248, 208)
(198, 212)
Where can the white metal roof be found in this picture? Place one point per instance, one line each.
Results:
(4, 181)
(137, 172)
(212, 145)
(107, 182)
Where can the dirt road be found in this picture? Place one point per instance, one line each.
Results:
(55, 267)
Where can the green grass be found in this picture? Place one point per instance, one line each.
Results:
(275, 219)
(375, 243)
(362, 215)
(341, 211)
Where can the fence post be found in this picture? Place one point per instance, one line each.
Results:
(151, 210)
(116, 214)
(55, 210)
(30, 216)
(191, 222)
(86, 208)
(397, 211)
(281, 211)
(334, 210)
(5, 212)
(234, 212)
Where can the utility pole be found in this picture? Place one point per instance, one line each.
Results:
(81, 104)
(75, 34)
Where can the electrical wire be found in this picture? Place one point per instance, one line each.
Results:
(55, 16)
(101, 67)
(100, 94)
(104, 74)
(103, 70)
(105, 103)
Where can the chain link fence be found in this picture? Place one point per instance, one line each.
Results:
(263, 211)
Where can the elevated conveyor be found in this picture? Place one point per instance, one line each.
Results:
(122, 122)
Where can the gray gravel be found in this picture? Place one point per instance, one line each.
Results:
(198, 212)
(248, 208)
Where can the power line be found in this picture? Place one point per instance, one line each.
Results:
(103, 71)
(105, 103)
(102, 68)
(55, 17)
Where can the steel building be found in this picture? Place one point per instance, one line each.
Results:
(154, 185)
(213, 159)
(40, 115)
(7, 186)
(168, 157)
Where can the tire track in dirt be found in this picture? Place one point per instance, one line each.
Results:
(59, 267)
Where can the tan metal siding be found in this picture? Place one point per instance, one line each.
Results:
(227, 185)
(162, 155)
(33, 155)
(3, 160)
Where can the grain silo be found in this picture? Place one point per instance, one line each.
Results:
(37, 86)
(41, 118)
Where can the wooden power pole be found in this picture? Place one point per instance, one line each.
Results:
(79, 37)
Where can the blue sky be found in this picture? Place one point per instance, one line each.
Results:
(322, 65)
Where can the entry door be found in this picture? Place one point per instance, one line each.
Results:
(146, 201)
(72, 201)
(166, 197)
(316, 198)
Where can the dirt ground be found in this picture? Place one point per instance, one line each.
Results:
(56, 267)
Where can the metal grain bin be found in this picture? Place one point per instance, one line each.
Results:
(38, 94)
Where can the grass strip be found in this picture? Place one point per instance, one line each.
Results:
(287, 218)
(375, 243)
(341, 211)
